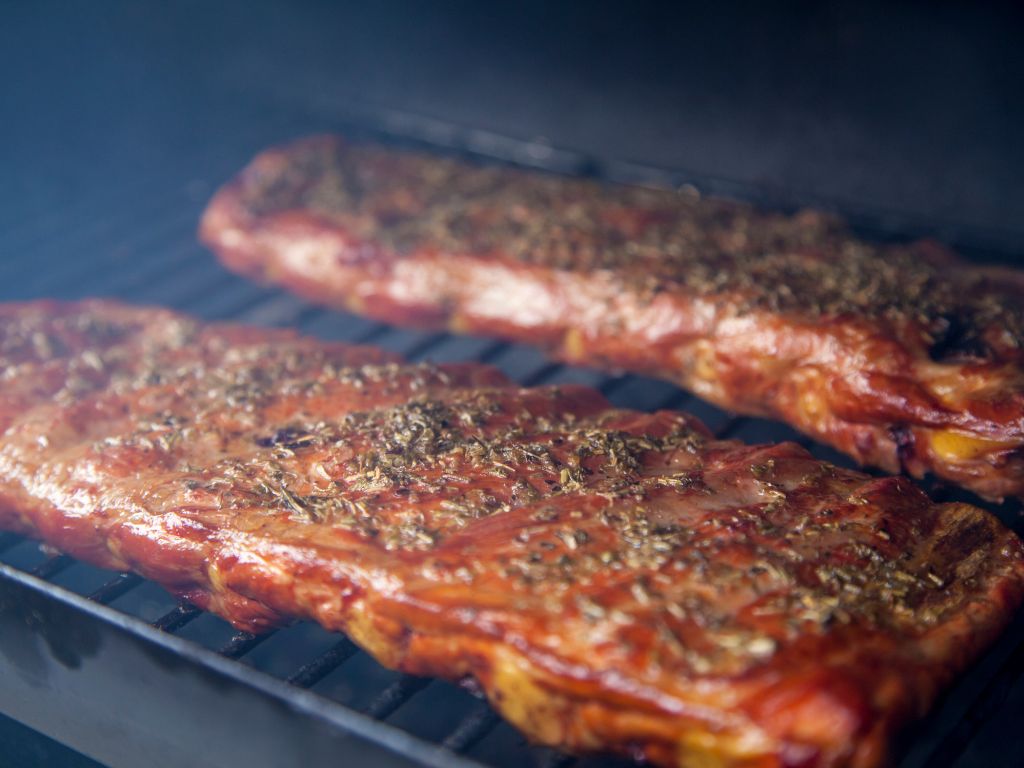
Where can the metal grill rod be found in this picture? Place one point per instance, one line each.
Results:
(52, 566)
(395, 695)
(472, 728)
(537, 377)
(207, 298)
(90, 213)
(242, 643)
(559, 760)
(316, 670)
(237, 300)
(423, 346)
(70, 271)
(115, 588)
(177, 618)
(154, 286)
(159, 266)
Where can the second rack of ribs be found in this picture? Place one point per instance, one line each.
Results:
(902, 356)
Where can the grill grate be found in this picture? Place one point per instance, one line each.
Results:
(141, 248)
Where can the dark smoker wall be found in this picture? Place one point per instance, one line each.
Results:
(911, 108)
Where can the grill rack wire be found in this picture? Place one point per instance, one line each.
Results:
(141, 248)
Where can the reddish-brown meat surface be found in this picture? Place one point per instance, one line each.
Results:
(613, 580)
(901, 356)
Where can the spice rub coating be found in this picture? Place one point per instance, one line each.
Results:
(899, 355)
(612, 580)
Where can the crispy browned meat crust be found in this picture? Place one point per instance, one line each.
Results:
(613, 580)
(899, 355)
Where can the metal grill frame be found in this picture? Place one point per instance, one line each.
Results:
(125, 691)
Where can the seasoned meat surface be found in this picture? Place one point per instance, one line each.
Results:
(899, 355)
(613, 580)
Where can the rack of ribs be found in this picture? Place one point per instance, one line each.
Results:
(612, 580)
(900, 355)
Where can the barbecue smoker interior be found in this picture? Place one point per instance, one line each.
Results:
(120, 122)
(341, 671)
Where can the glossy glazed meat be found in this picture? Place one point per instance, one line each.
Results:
(613, 580)
(898, 355)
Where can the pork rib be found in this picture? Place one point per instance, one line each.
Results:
(613, 580)
(899, 355)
